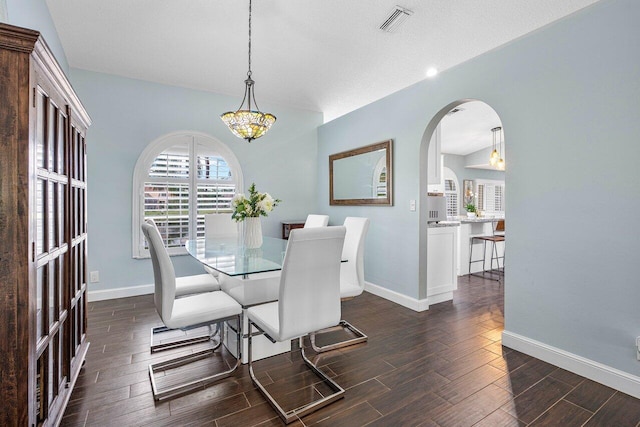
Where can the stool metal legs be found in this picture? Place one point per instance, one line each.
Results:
(494, 256)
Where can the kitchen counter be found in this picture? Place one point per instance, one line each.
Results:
(443, 224)
(468, 220)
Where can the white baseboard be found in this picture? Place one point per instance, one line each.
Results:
(441, 297)
(611, 377)
(132, 291)
(398, 298)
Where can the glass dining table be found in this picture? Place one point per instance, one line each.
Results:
(229, 255)
(250, 276)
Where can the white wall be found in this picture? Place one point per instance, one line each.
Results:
(128, 114)
(568, 97)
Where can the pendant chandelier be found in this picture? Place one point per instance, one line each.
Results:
(245, 122)
(495, 158)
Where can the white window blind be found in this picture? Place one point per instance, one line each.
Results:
(185, 181)
(451, 195)
(491, 197)
(381, 185)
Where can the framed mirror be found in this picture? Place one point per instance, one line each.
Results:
(363, 176)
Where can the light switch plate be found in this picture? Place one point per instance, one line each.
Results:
(94, 277)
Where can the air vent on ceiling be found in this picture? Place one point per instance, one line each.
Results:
(397, 16)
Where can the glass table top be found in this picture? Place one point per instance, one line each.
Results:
(229, 256)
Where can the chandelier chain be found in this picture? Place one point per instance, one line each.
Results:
(249, 72)
(246, 122)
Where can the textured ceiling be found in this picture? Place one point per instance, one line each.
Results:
(321, 55)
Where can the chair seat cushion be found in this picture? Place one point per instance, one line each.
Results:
(211, 271)
(348, 289)
(202, 308)
(196, 284)
(267, 319)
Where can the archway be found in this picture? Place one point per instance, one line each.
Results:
(470, 164)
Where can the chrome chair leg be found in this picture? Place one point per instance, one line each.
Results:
(360, 337)
(201, 383)
(294, 414)
(179, 342)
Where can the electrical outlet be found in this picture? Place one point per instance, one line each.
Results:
(412, 205)
(94, 277)
(638, 348)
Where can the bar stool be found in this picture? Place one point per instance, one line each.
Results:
(494, 239)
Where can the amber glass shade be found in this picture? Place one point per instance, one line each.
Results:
(493, 158)
(248, 124)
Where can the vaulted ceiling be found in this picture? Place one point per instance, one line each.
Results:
(321, 55)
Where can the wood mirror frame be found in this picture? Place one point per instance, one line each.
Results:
(362, 176)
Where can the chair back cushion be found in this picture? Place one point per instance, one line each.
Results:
(163, 273)
(352, 271)
(314, 220)
(220, 225)
(309, 298)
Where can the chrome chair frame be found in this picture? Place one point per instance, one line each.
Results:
(294, 414)
(179, 342)
(360, 337)
(183, 360)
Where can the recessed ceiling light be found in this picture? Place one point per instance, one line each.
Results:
(432, 71)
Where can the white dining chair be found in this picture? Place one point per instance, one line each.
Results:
(184, 313)
(315, 220)
(309, 300)
(185, 285)
(351, 280)
(262, 287)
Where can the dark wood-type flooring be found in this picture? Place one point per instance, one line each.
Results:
(443, 367)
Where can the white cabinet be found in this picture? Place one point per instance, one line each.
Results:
(434, 160)
(442, 252)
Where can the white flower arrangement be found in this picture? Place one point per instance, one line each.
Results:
(256, 205)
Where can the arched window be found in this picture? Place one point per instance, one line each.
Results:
(178, 179)
(380, 179)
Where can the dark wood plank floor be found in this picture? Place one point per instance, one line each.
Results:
(444, 367)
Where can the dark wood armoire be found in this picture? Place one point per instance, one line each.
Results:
(43, 232)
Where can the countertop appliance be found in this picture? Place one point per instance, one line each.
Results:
(436, 208)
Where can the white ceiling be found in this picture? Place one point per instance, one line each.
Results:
(469, 129)
(321, 55)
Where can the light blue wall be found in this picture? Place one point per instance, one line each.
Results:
(129, 114)
(3, 11)
(573, 190)
(34, 14)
